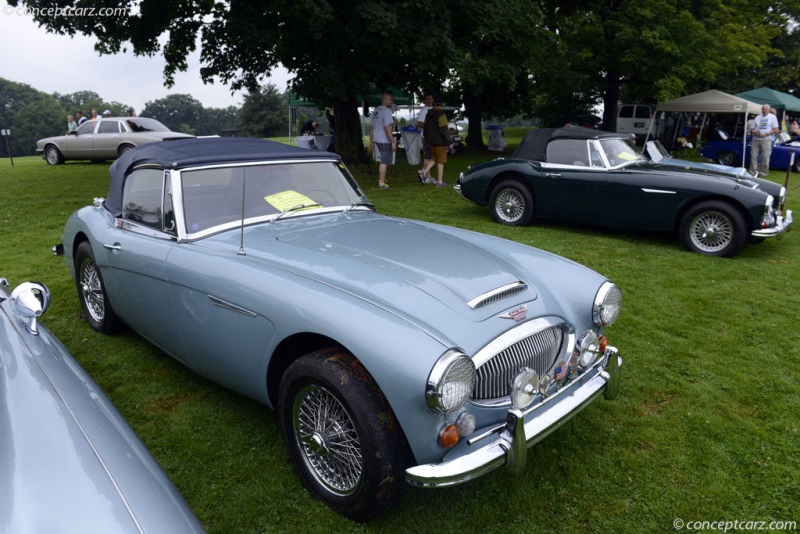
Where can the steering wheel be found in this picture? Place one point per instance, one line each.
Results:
(311, 193)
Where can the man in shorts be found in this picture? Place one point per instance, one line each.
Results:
(425, 176)
(380, 137)
(437, 134)
(766, 125)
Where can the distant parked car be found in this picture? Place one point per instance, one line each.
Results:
(69, 463)
(729, 152)
(104, 139)
(394, 350)
(599, 178)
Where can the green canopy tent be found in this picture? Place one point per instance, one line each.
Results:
(369, 99)
(776, 99)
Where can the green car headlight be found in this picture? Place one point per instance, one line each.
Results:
(450, 382)
(607, 304)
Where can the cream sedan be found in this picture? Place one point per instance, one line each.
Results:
(104, 139)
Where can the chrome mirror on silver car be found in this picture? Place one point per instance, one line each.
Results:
(29, 301)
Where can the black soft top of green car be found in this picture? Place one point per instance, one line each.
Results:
(534, 144)
(182, 153)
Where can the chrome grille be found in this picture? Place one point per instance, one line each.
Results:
(537, 351)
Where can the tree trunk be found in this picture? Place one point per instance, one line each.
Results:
(611, 101)
(349, 137)
(473, 109)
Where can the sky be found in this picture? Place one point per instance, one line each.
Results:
(61, 64)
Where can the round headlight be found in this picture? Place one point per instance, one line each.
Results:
(451, 382)
(523, 388)
(607, 304)
(589, 349)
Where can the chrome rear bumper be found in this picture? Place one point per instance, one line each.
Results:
(522, 429)
(782, 224)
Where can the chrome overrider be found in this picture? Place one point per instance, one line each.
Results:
(782, 224)
(508, 443)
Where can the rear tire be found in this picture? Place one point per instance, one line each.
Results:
(511, 203)
(726, 158)
(124, 148)
(52, 155)
(341, 435)
(713, 228)
(92, 292)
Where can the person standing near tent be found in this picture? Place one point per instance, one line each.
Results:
(425, 176)
(380, 137)
(438, 136)
(766, 125)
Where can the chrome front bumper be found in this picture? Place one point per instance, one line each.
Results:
(508, 443)
(782, 224)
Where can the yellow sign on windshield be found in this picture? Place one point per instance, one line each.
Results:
(287, 200)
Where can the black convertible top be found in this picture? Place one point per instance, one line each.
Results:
(182, 153)
(534, 144)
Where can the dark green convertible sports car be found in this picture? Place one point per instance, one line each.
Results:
(598, 178)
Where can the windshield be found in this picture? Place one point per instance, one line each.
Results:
(138, 124)
(619, 151)
(656, 151)
(213, 197)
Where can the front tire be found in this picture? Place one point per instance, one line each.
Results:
(52, 155)
(341, 435)
(511, 203)
(713, 228)
(92, 292)
(726, 158)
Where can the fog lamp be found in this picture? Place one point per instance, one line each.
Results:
(465, 424)
(523, 388)
(590, 348)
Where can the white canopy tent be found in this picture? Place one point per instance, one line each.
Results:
(712, 101)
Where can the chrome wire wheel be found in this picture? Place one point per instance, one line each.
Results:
(510, 205)
(711, 231)
(92, 290)
(726, 158)
(328, 440)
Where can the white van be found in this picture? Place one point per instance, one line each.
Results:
(635, 118)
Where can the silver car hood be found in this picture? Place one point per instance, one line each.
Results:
(68, 460)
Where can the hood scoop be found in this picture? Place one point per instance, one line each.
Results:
(497, 294)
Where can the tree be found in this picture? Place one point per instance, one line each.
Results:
(657, 49)
(496, 43)
(30, 115)
(178, 112)
(335, 49)
(264, 112)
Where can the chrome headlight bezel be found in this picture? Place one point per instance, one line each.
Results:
(768, 204)
(447, 369)
(607, 304)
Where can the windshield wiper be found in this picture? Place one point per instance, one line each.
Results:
(369, 205)
(296, 208)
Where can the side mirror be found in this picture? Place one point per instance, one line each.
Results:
(73, 133)
(29, 301)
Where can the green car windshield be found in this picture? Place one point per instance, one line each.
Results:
(620, 151)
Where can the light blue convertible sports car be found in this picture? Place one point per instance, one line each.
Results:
(395, 351)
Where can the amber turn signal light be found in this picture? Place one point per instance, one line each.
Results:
(603, 344)
(448, 436)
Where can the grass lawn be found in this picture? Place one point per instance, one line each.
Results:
(706, 426)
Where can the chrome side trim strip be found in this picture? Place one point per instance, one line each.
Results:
(660, 191)
(233, 307)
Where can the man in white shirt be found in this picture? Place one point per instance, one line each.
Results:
(380, 137)
(765, 126)
(425, 177)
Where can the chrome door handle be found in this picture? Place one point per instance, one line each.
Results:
(112, 247)
(552, 175)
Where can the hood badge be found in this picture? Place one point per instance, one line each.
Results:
(517, 314)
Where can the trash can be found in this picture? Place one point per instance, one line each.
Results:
(496, 140)
(305, 141)
(412, 141)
